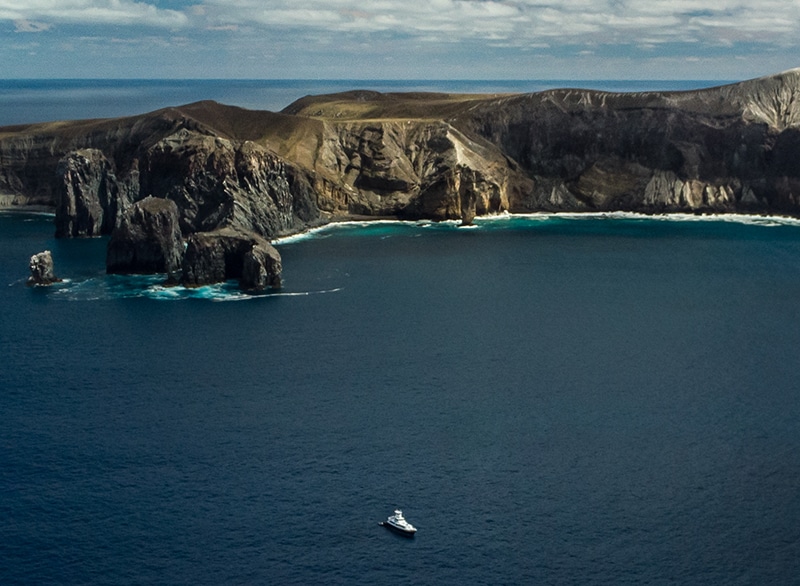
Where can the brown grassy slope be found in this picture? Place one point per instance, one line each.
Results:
(369, 105)
(120, 138)
(304, 116)
(773, 99)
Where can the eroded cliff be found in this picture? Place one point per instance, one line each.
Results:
(733, 148)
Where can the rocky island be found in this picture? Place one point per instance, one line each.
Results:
(198, 191)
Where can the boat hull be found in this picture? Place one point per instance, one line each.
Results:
(398, 530)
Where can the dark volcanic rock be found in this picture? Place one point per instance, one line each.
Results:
(220, 183)
(41, 266)
(733, 148)
(200, 155)
(88, 195)
(726, 149)
(148, 240)
(261, 268)
(214, 257)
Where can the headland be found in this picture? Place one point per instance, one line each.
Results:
(241, 178)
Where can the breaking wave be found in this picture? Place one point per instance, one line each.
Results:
(388, 228)
(100, 286)
(747, 219)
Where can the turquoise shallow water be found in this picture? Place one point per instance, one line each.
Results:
(604, 400)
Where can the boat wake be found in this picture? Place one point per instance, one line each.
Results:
(109, 287)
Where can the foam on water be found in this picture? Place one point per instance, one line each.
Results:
(749, 219)
(326, 231)
(100, 286)
(386, 228)
(306, 293)
(107, 287)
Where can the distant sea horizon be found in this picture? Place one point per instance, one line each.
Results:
(26, 101)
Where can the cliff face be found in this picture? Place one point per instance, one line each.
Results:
(147, 240)
(730, 149)
(217, 183)
(87, 195)
(91, 171)
(410, 169)
(734, 148)
(231, 254)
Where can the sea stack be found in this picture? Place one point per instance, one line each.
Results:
(417, 156)
(147, 241)
(41, 266)
(214, 257)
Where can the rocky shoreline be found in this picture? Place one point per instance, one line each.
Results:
(230, 175)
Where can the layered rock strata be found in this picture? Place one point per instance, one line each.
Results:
(87, 198)
(733, 149)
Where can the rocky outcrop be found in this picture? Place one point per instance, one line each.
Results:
(261, 268)
(88, 195)
(41, 266)
(727, 149)
(213, 257)
(733, 148)
(198, 155)
(218, 183)
(410, 169)
(147, 240)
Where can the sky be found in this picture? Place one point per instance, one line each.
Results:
(399, 39)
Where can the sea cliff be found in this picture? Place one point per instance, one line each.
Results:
(732, 149)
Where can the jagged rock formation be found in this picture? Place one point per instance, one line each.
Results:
(148, 240)
(261, 268)
(87, 195)
(409, 169)
(733, 148)
(91, 171)
(438, 156)
(213, 257)
(41, 266)
(217, 182)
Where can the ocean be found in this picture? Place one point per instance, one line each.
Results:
(550, 399)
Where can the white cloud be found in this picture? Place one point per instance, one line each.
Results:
(424, 37)
(113, 12)
(510, 22)
(522, 22)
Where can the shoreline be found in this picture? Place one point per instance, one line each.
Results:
(355, 219)
(668, 216)
(11, 203)
(763, 220)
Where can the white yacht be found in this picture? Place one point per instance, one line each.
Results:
(398, 524)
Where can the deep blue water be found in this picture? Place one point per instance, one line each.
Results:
(550, 400)
(25, 101)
